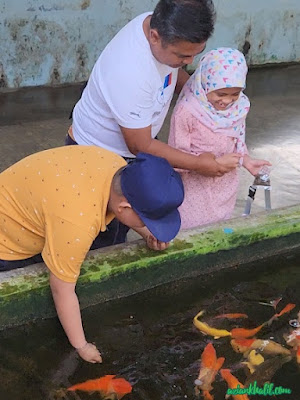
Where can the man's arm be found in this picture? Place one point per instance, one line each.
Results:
(68, 311)
(140, 140)
(182, 77)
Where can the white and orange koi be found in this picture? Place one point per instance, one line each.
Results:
(293, 340)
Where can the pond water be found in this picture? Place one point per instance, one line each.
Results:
(149, 339)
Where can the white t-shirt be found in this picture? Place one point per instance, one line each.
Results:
(127, 87)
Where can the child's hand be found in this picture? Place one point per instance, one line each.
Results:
(229, 161)
(253, 165)
(155, 244)
(90, 353)
(208, 165)
(151, 241)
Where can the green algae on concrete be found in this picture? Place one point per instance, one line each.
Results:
(126, 269)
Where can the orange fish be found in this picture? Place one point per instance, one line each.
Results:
(289, 307)
(245, 333)
(106, 385)
(209, 368)
(207, 395)
(232, 316)
(242, 345)
(233, 383)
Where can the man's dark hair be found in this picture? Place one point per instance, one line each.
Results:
(187, 20)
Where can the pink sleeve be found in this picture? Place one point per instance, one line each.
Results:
(180, 129)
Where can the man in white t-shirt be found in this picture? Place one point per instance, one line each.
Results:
(131, 86)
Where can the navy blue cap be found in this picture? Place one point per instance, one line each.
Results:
(155, 191)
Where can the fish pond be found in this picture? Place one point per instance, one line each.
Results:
(150, 340)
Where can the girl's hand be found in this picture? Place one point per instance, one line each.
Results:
(155, 244)
(253, 165)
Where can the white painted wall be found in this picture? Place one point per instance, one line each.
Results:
(57, 41)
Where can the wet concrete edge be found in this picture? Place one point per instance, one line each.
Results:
(122, 270)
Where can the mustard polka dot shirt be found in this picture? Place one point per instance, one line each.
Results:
(55, 203)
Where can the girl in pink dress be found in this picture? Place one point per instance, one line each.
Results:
(210, 117)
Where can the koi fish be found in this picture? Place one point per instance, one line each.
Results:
(272, 303)
(294, 340)
(233, 383)
(106, 385)
(289, 307)
(208, 330)
(207, 395)
(245, 346)
(245, 333)
(232, 316)
(253, 361)
(209, 368)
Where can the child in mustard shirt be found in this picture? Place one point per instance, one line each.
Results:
(56, 202)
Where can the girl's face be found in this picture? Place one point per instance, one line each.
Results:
(221, 99)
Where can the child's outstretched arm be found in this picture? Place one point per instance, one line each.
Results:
(68, 311)
(253, 165)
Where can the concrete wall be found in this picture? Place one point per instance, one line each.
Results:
(57, 41)
(267, 31)
(108, 274)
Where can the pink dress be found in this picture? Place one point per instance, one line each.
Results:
(207, 199)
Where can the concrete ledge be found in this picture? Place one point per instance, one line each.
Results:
(123, 270)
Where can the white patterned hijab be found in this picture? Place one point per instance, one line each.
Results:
(218, 69)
